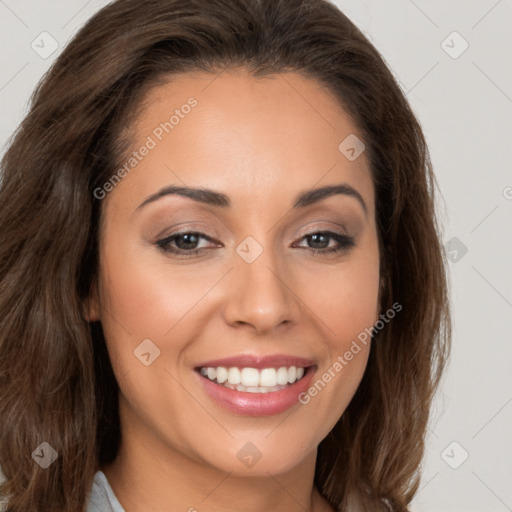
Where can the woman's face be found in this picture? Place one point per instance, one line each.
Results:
(256, 288)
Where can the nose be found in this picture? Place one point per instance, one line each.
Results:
(260, 295)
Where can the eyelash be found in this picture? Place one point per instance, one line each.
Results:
(345, 243)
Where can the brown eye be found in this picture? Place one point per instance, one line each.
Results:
(319, 242)
(183, 243)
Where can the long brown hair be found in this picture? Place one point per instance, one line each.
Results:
(56, 381)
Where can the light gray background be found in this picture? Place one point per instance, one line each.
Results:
(465, 107)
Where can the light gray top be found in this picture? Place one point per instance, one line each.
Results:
(102, 498)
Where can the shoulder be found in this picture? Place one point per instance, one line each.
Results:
(102, 497)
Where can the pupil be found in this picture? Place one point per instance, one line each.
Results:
(315, 239)
(190, 239)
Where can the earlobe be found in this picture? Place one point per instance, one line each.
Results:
(91, 305)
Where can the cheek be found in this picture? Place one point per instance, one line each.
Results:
(345, 298)
(145, 294)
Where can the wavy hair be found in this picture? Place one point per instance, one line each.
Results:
(56, 381)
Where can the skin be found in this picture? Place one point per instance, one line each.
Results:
(261, 142)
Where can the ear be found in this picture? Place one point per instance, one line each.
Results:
(91, 305)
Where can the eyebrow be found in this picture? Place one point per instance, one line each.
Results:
(218, 199)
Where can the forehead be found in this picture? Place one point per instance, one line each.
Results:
(243, 135)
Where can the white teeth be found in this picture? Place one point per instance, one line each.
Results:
(222, 375)
(249, 377)
(234, 376)
(282, 376)
(268, 377)
(252, 380)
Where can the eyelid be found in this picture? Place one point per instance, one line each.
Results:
(323, 226)
(176, 234)
(188, 227)
(315, 228)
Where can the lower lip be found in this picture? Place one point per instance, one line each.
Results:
(258, 404)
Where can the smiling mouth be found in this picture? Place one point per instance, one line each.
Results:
(253, 380)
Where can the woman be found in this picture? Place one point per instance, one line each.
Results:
(222, 283)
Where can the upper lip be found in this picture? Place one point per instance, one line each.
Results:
(258, 362)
